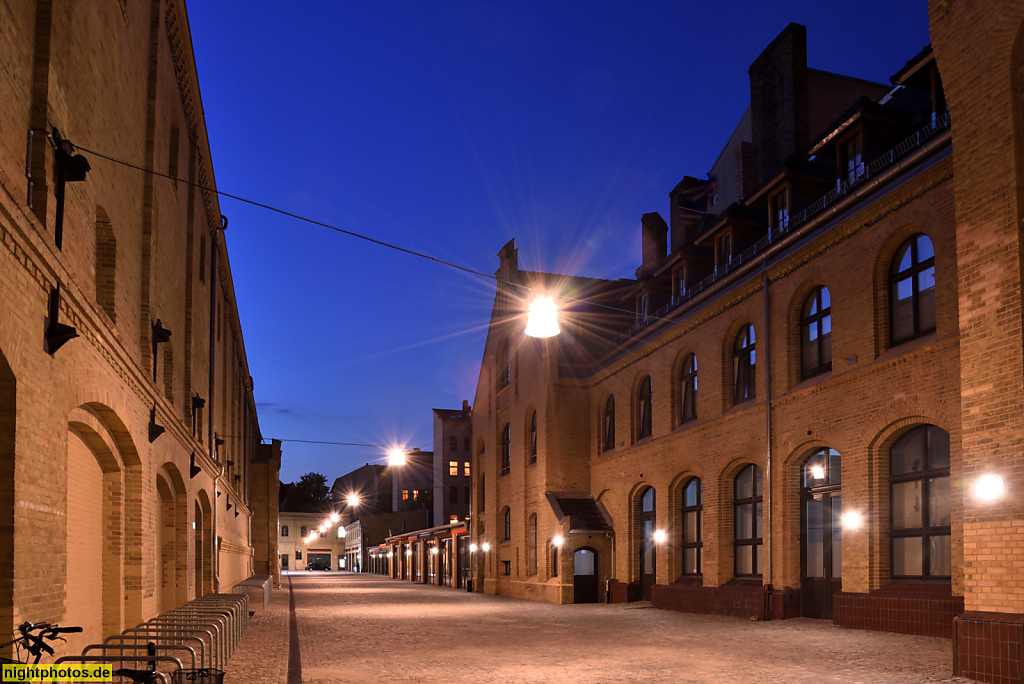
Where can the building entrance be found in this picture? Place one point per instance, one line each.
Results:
(821, 534)
(314, 559)
(584, 576)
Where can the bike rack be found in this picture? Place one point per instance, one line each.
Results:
(205, 658)
(172, 626)
(124, 659)
(232, 624)
(177, 632)
(140, 647)
(217, 623)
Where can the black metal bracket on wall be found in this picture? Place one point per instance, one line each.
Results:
(68, 168)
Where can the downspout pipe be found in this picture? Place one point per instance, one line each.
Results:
(768, 447)
(214, 280)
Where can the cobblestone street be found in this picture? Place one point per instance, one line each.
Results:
(365, 628)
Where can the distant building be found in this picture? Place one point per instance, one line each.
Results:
(413, 483)
(296, 554)
(370, 531)
(453, 440)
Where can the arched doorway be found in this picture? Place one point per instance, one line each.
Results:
(85, 538)
(584, 576)
(821, 536)
(646, 523)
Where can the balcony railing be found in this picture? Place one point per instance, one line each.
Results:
(843, 188)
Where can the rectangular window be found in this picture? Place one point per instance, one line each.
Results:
(453, 495)
(298, 555)
(453, 468)
(465, 444)
(780, 211)
(453, 443)
(405, 495)
(853, 154)
(723, 251)
(506, 568)
(465, 468)
(415, 494)
(468, 494)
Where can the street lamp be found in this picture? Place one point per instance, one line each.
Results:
(396, 457)
(542, 320)
(335, 517)
(352, 500)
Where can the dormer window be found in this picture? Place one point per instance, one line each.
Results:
(678, 285)
(641, 308)
(723, 251)
(853, 159)
(780, 211)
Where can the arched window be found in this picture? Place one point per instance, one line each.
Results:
(816, 334)
(643, 409)
(531, 545)
(912, 289)
(284, 530)
(554, 560)
(609, 424)
(920, 499)
(507, 516)
(693, 508)
(303, 531)
(646, 526)
(341, 532)
(744, 364)
(106, 264)
(747, 522)
(688, 389)
(504, 366)
(533, 438)
(506, 450)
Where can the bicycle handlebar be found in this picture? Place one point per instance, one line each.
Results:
(64, 630)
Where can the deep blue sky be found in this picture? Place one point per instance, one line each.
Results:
(449, 128)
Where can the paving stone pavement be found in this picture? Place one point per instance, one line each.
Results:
(366, 628)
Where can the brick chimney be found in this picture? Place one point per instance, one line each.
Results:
(779, 101)
(654, 232)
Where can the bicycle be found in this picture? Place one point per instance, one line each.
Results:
(36, 644)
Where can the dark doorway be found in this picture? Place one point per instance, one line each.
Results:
(284, 561)
(584, 576)
(320, 559)
(446, 562)
(648, 560)
(821, 533)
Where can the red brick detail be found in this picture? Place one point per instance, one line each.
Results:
(908, 608)
(989, 647)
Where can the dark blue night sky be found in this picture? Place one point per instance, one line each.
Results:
(449, 128)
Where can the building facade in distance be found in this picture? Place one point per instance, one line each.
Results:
(808, 400)
(453, 439)
(128, 428)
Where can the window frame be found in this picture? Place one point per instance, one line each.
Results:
(753, 541)
(507, 524)
(284, 530)
(925, 531)
(698, 543)
(506, 449)
(644, 407)
(609, 424)
(688, 389)
(911, 273)
(504, 365)
(744, 358)
(533, 437)
(816, 319)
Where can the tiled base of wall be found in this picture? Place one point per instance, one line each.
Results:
(989, 647)
(738, 599)
(926, 609)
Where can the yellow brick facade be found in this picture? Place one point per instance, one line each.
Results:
(105, 520)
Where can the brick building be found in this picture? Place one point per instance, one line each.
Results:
(845, 285)
(127, 421)
(453, 439)
(296, 552)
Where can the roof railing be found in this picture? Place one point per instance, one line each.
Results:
(939, 123)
